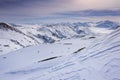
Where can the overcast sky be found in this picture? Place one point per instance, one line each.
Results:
(19, 9)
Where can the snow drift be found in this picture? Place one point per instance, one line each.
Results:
(98, 61)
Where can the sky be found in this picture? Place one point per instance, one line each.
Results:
(21, 10)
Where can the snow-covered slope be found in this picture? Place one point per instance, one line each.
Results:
(99, 60)
(14, 37)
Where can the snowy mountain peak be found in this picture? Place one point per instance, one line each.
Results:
(5, 26)
(107, 24)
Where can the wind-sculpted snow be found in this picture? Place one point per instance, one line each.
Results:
(100, 60)
(112, 69)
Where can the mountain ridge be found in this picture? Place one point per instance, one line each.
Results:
(27, 35)
(99, 60)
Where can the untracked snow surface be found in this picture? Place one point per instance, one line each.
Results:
(99, 60)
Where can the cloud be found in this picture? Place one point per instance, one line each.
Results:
(17, 9)
(30, 7)
(86, 13)
(43, 7)
(97, 4)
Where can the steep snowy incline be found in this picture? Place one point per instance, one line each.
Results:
(99, 61)
(36, 54)
(12, 39)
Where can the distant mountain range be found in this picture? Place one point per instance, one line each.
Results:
(107, 24)
(13, 37)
